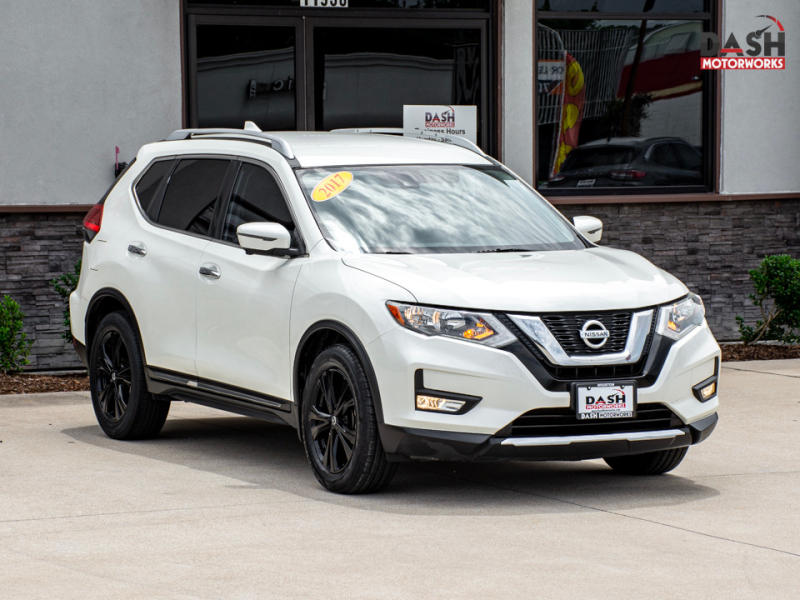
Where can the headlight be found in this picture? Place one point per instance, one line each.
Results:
(678, 319)
(472, 327)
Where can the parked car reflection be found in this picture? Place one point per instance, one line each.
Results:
(633, 162)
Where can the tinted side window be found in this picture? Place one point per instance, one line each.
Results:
(663, 155)
(586, 158)
(689, 157)
(256, 197)
(148, 186)
(192, 194)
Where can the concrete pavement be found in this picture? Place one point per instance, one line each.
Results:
(226, 507)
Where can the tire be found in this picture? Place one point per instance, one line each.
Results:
(652, 463)
(124, 408)
(338, 425)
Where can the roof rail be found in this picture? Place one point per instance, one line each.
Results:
(247, 135)
(424, 135)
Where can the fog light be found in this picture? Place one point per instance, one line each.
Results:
(709, 391)
(438, 404)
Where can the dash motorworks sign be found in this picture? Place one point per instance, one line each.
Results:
(764, 48)
(442, 119)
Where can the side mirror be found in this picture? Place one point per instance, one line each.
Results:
(263, 238)
(590, 227)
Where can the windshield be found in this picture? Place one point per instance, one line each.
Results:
(432, 209)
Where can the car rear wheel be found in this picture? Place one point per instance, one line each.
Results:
(339, 427)
(652, 463)
(124, 408)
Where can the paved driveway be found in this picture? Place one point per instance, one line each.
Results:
(226, 507)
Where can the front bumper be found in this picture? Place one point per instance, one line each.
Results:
(402, 443)
(507, 388)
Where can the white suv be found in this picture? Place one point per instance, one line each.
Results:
(392, 299)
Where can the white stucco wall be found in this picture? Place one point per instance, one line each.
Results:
(517, 103)
(761, 109)
(76, 79)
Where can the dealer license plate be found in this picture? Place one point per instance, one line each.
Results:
(586, 182)
(604, 400)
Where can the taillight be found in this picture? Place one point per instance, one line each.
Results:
(627, 175)
(92, 222)
(557, 178)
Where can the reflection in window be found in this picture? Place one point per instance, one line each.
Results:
(365, 76)
(621, 6)
(620, 103)
(355, 4)
(246, 73)
(436, 209)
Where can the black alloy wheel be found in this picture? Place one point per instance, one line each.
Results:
(334, 420)
(124, 408)
(113, 379)
(339, 428)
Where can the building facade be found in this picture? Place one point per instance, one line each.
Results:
(602, 105)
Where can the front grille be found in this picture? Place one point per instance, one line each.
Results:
(592, 373)
(566, 329)
(582, 373)
(544, 422)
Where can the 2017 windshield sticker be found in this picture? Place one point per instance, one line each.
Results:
(332, 186)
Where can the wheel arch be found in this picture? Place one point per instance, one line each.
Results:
(323, 334)
(105, 301)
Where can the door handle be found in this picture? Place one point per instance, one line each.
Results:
(137, 248)
(210, 270)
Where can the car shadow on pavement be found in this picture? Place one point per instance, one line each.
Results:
(262, 455)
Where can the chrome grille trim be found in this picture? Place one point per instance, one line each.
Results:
(635, 436)
(538, 332)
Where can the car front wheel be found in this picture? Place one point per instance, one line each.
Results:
(339, 427)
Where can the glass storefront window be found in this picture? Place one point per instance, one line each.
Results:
(620, 104)
(246, 73)
(317, 70)
(362, 4)
(364, 76)
(623, 6)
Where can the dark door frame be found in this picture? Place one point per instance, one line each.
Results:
(306, 20)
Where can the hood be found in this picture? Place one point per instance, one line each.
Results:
(569, 281)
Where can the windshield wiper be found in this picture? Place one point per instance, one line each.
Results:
(504, 250)
(393, 252)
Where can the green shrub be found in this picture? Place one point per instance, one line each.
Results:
(777, 283)
(14, 348)
(65, 285)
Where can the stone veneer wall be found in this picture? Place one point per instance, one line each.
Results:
(708, 245)
(35, 248)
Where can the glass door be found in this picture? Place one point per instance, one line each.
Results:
(319, 73)
(246, 70)
(364, 75)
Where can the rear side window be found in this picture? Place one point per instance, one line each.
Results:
(663, 154)
(192, 195)
(148, 186)
(689, 157)
(256, 197)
